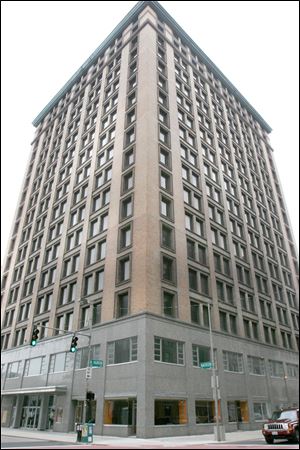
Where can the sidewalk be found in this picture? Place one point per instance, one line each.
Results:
(173, 441)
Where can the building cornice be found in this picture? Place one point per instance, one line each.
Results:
(164, 16)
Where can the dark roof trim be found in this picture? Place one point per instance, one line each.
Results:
(165, 16)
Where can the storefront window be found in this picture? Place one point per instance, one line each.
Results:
(118, 412)
(205, 411)
(170, 412)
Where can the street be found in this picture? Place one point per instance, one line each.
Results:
(11, 442)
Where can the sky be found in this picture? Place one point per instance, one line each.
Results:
(254, 43)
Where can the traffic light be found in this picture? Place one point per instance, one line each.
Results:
(34, 337)
(73, 347)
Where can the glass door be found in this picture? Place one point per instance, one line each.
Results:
(31, 411)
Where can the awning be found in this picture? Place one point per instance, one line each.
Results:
(36, 390)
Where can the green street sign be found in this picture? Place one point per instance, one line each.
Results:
(96, 363)
(206, 365)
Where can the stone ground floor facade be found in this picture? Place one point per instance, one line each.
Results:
(150, 382)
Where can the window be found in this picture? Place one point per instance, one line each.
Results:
(198, 281)
(243, 275)
(190, 176)
(35, 366)
(128, 158)
(93, 282)
(23, 312)
(256, 365)
(74, 239)
(122, 351)
(126, 209)
(196, 251)
(168, 269)
(19, 337)
(292, 370)
(96, 252)
(276, 368)
(99, 225)
(54, 232)
(170, 412)
(64, 322)
(82, 355)
(165, 157)
(48, 277)
(247, 301)
(122, 304)
(192, 199)
(86, 312)
(61, 362)
(127, 181)
(166, 208)
(96, 313)
(123, 269)
(163, 116)
(103, 177)
(201, 354)
(167, 237)
(165, 181)
(129, 137)
(164, 136)
(13, 369)
(205, 411)
(233, 362)
(118, 412)
(225, 292)
(218, 238)
(168, 351)
(260, 411)
(222, 264)
(71, 265)
(162, 99)
(105, 156)
(125, 237)
(169, 304)
(68, 293)
(194, 223)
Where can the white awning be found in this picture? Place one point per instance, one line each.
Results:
(36, 390)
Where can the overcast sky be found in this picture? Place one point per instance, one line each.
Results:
(254, 43)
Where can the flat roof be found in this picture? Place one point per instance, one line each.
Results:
(164, 16)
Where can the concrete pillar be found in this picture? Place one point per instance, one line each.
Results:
(17, 419)
(43, 417)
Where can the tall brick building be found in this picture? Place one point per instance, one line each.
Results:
(150, 199)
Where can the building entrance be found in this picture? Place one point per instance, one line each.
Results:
(31, 411)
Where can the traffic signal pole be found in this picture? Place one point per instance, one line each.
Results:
(214, 380)
(88, 364)
(63, 331)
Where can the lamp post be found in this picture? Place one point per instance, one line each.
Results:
(285, 377)
(89, 369)
(214, 382)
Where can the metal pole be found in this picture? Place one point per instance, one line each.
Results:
(214, 377)
(88, 362)
(286, 389)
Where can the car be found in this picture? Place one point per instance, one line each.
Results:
(284, 424)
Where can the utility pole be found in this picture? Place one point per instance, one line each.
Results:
(214, 381)
(89, 369)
